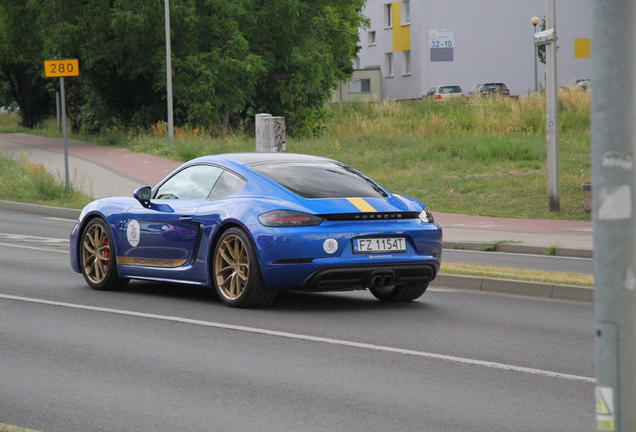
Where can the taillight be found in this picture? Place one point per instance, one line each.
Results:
(426, 216)
(438, 97)
(287, 218)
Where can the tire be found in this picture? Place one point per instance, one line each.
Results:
(236, 273)
(97, 257)
(400, 293)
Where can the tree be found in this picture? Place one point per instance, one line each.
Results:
(20, 60)
(308, 47)
(231, 59)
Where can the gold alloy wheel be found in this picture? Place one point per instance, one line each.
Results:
(96, 253)
(231, 267)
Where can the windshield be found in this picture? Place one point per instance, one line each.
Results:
(321, 180)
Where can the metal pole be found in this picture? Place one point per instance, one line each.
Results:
(551, 108)
(57, 108)
(613, 158)
(63, 98)
(169, 72)
(536, 76)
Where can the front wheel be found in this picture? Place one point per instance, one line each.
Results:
(98, 260)
(400, 293)
(236, 273)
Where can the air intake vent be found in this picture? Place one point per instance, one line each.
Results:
(370, 216)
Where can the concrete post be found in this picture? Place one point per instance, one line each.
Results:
(613, 198)
(260, 133)
(270, 133)
(552, 111)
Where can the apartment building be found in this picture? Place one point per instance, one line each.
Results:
(418, 44)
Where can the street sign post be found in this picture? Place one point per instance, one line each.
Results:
(63, 68)
(549, 38)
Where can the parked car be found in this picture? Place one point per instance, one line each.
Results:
(585, 83)
(445, 92)
(251, 224)
(490, 89)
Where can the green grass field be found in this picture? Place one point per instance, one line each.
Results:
(476, 156)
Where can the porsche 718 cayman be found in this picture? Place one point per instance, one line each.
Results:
(252, 224)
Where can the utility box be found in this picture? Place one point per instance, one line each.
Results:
(587, 197)
(270, 133)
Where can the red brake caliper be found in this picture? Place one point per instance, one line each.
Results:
(107, 252)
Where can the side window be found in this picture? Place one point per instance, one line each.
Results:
(192, 183)
(227, 184)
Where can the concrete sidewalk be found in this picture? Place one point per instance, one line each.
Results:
(108, 171)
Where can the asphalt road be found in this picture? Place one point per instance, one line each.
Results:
(41, 226)
(167, 357)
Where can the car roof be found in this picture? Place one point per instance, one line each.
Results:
(257, 158)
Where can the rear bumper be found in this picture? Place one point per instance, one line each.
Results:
(334, 278)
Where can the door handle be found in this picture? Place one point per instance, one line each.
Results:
(185, 219)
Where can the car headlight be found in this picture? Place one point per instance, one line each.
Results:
(288, 218)
(426, 216)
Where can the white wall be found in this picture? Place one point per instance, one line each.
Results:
(493, 42)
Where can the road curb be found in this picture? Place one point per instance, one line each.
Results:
(510, 286)
(520, 248)
(40, 209)
(505, 286)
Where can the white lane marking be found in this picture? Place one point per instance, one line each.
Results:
(34, 248)
(61, 219)
(308, 338)
(33, 239)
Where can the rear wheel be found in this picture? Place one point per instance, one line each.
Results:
(97, 255)
(237, 276)
(400, 293)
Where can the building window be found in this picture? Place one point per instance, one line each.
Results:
(406, 12)
(388, 64)
(356, 63)
(406, 67)
(388, 15)
(362, 85)
(371, 36)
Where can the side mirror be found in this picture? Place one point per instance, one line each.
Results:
(142, 195)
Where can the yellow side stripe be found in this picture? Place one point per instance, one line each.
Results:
(150, 262)
(362, 205)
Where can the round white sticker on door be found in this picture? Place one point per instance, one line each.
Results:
(133, 233)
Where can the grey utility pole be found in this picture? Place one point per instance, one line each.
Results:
(552, 107)
(613, 150)
(535, 21)
(169, 72)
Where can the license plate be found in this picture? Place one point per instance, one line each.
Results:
(379, 245)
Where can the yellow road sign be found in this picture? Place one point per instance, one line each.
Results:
(61, 68)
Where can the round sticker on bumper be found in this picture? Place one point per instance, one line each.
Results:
(330, 245)
(133, 233)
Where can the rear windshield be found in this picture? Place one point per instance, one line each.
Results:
(494, 86)
(321, 180)
(450, 89)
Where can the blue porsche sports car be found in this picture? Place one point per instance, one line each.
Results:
(252, 224)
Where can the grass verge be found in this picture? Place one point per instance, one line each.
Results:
(28, 182)
(478, 156)
(518, 274)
